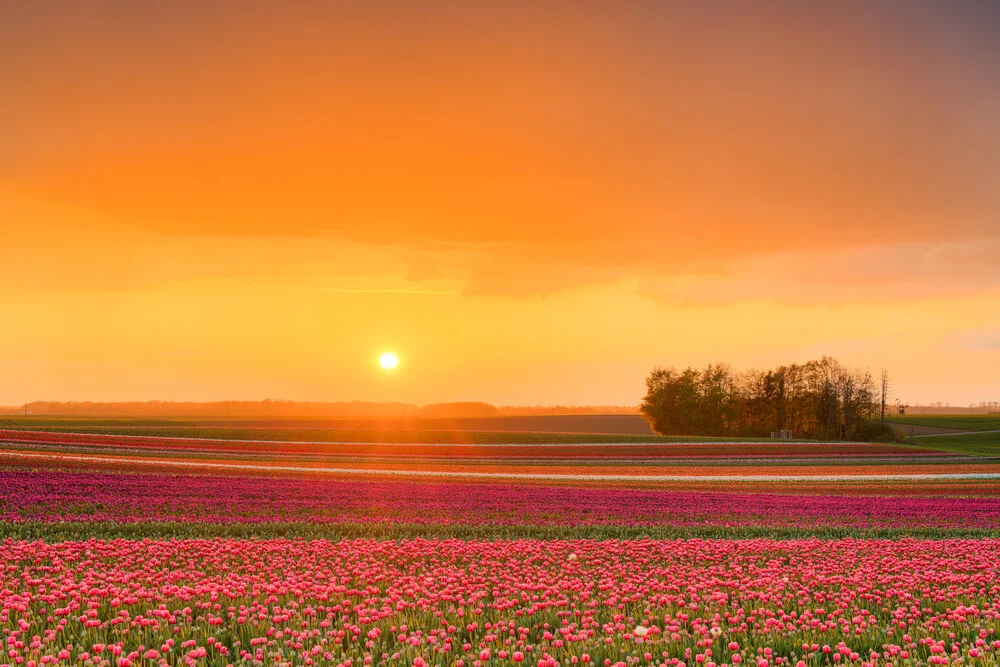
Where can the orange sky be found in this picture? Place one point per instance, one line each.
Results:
(528, 204)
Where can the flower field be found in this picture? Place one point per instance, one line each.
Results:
(716, 603)
(105, 497)
(118, 550)
(460, 451)
(628, 463)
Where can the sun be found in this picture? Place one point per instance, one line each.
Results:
(388, 361)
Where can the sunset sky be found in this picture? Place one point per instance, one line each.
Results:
(529, 203)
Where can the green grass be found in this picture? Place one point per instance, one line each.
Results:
(963, 422)
(62, 531)
(980, 444)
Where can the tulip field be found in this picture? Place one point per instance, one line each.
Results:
(377, 506)
(418, 602)
(127, 550)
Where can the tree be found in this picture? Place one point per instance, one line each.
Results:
(817, 399)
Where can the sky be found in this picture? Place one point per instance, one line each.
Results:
(529, 203)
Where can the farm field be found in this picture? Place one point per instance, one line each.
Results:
(628, 424)
(958, 422)
(550, 602)
(129, 547)
(619, 462)
(501, 444)
(67, 482)
(299, 432)
(980, 443)
(552, 428)
(964, 434)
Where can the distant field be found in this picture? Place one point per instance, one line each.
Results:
(960, 422)
(78, 478)
(597, 462)
(605, 424)
(575, 429)
(293, 434)
(981, 444)
(633, 451)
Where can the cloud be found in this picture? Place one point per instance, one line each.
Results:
(376, 290)
(893, 272)
(520, 156)
(52, 245)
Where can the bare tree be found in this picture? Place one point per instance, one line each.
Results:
(884, 391)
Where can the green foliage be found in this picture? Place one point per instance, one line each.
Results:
(876, 431)
(69, 530)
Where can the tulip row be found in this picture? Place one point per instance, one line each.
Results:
(60, 496)
(705, 603)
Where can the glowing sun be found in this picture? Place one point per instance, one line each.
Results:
(388, 361)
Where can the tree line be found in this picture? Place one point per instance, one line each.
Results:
(818, 399)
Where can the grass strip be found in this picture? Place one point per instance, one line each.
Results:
(81, 531)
